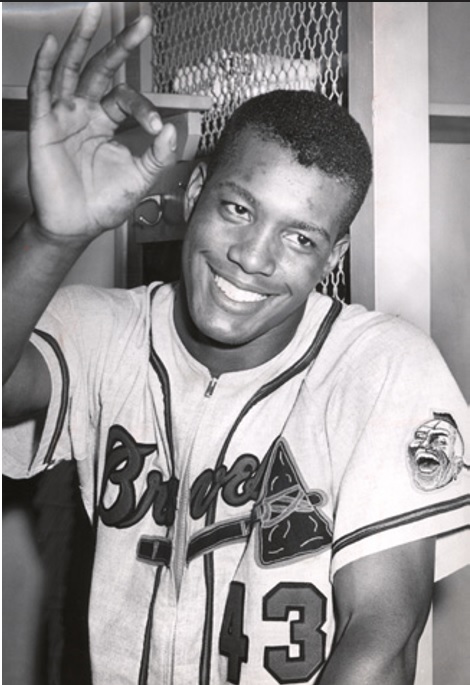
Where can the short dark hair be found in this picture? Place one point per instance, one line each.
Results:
(318, 132)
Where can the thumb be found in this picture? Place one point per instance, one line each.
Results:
(161, 153)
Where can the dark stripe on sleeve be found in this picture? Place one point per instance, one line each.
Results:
(48, 459)
(400, 520)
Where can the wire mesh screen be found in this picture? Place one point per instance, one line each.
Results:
(232, 51)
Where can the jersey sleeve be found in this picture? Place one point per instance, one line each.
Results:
(82, 337)
(399, 426)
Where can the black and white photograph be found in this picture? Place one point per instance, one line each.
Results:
(236, 323)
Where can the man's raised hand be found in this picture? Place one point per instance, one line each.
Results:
(82, 180)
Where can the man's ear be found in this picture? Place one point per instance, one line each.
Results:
(194, 188)
(337, 253)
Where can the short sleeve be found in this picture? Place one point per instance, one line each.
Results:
(405, 472)
(82, 337)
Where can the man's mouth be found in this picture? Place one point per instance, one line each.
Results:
(237, 294)
(428, 464)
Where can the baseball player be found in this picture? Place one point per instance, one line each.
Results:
(275, 479)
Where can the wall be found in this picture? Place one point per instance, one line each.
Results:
(449, 52)
(450, 255)
(449, 57)
(404, 56)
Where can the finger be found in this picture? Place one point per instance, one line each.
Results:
(124, 102)
(160, 154)
(39, 85)
(67, 70)
(101, 68)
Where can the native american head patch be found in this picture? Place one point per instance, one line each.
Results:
(435, 454)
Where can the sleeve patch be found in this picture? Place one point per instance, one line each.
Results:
(436, 453)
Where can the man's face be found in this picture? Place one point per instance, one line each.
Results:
(433, 460)
(262, 233)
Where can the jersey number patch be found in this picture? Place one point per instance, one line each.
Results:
(232, 642)
(306, 636)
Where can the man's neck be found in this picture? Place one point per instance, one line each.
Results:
(217, 357)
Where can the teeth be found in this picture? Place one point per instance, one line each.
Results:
(428, 464)
(237, 294)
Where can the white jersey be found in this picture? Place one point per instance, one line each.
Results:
(224, 507)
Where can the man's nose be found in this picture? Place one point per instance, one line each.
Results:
(427, 441)
(255, 252)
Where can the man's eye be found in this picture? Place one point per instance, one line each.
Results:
(300, 240)
(304, 241)
(235, 209)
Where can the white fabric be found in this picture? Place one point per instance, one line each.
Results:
(330, 481)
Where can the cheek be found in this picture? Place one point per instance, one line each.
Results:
(203, 235)
(194, 243)
(185, 258)
(302, 273)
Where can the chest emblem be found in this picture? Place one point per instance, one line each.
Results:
(290, 519)
(286, 517)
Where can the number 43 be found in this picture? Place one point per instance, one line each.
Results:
(305, 632)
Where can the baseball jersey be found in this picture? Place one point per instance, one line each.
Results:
(224, 506)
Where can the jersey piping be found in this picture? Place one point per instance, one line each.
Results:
(48, 459)
(395, 521)
(164, 379)
(160, 549)
(145, 660)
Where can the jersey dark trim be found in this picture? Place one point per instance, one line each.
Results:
(145, 659)
(164, 379)
(219, 535)
(161, 553)
(206, 652)
(300, 365)
(401, 520)
(154, 550)
(65, 390)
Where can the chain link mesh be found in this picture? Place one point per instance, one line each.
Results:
(232, 51)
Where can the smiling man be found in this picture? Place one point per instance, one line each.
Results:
(264, 231)
(241, 440)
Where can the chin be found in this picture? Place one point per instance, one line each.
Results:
(221, 336)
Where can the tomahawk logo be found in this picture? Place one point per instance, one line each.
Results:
(291, 523)
(286, 517)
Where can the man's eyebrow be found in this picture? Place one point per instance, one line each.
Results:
(240, 190)
(301, 225)
(312, 228)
